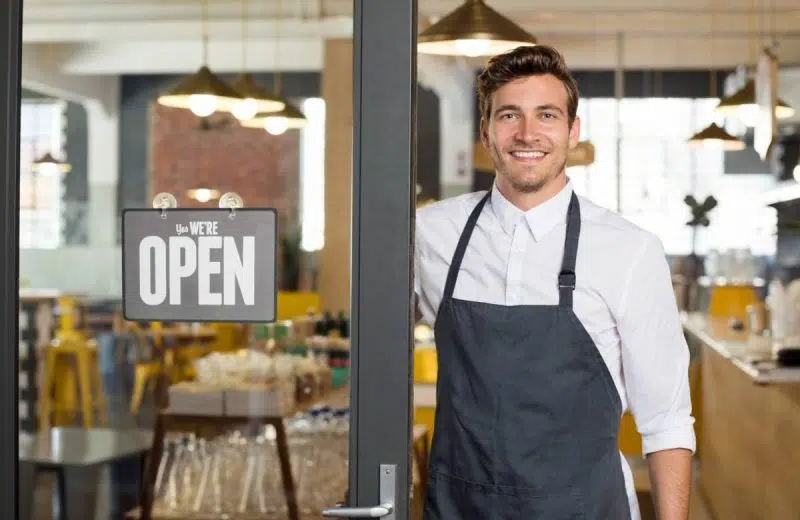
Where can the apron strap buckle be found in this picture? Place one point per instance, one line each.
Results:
(566, 280)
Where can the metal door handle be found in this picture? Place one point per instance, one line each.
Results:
(360, 512)
(388, 498)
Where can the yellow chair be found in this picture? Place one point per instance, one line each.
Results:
(292, 304)
(69, 362)
(147, 367)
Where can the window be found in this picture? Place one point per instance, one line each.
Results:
(312, 176)
(658, 169)
(41, 193)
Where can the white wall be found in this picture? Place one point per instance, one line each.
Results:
(94, 269)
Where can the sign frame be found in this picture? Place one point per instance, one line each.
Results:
(159, 213)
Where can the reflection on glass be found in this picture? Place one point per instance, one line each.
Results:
(237, 475)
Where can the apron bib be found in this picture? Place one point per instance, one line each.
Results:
(527, 414)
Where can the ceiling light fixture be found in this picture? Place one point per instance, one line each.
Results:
(474, 29)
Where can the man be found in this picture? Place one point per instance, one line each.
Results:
(551, 316)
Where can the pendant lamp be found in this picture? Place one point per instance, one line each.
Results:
(256, 99)
(742, 104)
(474, 29)
(714, 135)
(49, 165)
(290, 117)
(276, 123)
(203, 92)
(203, 194)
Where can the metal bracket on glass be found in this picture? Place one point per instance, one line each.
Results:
(231, 201)
(165, 201)
(388, 498)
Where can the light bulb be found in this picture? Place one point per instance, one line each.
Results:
(48, 168)
(276, 125)
(202, 195)
(748, 114)
(245, 110)
(472, 48)
(202, 105)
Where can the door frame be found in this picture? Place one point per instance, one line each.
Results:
(10, 94)
(384, 193)
(382, 291)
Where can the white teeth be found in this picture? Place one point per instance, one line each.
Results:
(528, 155)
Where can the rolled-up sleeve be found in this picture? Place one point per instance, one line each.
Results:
(655, 356)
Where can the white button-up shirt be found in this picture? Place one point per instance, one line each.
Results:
(623, 295)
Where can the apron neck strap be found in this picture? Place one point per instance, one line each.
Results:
(566, 278)
(455, 265)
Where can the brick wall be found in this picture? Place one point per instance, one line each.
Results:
(263, 169)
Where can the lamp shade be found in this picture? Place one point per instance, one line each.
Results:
(742, 103)
(256, 98)
(714, 135)
(203, 93)
(48, 164)
(278, 122)
(473, 29)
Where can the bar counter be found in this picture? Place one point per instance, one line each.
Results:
(748, 427)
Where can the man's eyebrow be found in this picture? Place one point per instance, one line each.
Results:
(540, 108)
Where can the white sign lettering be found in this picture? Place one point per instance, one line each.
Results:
(163, 266)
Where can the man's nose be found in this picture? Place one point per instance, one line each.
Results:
(528, 130)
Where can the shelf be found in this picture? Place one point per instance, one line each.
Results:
(783, 192)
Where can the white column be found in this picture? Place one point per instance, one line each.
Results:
(103, 154)
(453, 82)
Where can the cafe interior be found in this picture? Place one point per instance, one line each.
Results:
(690, 129)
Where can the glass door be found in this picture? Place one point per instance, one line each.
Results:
(384, 180)
(10, 64)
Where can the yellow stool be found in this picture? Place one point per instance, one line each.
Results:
(426, 367)
(70, 362)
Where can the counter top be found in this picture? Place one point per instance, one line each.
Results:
(752, 357)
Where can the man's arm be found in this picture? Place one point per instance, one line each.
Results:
(671, 482)
(655, 361)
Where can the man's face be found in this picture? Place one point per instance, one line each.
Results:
(528, 133)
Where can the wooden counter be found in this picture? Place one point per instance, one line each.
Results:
(751, 430)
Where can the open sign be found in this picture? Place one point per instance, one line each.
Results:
(199, 265)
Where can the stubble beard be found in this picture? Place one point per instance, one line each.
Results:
(520, 185)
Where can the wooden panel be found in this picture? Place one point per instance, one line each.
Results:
(337, 89)
(749, 445)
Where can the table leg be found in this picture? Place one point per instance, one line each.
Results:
(26, 480)
(151, 469)
(80, 492)
(286, 469)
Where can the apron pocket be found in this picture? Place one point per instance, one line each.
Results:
(566, 506)
(453, 498)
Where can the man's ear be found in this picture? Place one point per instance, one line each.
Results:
(484, 131)
(575, 133)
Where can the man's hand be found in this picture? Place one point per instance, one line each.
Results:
(671, 483)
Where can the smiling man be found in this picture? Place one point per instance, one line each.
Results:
(552, 316)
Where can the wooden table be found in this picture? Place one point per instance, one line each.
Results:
(76, 456)
(167, 421)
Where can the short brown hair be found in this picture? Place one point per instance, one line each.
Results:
(522, 62)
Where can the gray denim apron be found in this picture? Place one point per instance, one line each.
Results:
(527, 413)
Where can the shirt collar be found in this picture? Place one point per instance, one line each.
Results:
(541, 219)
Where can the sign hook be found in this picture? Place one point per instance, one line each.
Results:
(165, 201)
(231, 201)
